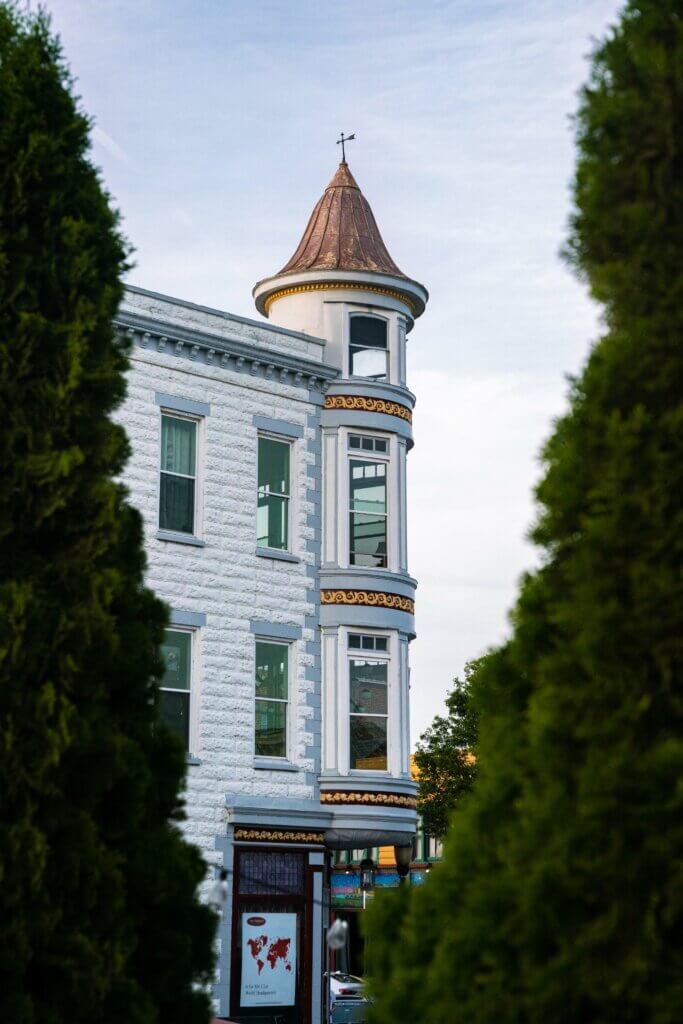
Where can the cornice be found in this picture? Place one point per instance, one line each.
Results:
(372, 799)
(244, 834)
(317, 286)
(228, 353)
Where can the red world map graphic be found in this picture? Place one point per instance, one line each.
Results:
(277, 950)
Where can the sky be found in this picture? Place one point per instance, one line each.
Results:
(215, 128)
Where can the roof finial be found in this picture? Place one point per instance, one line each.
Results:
(341, 140)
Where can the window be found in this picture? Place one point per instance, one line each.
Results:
(434, 848)
(177, 491)
(272, 672)
(368, 444)
(368, 355)
(176, 651)
(368, 714)
(358, 641)
(272, 516)
(368, 513)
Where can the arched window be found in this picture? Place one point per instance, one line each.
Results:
(368, 353)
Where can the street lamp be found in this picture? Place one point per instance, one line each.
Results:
(367, 874)
(403, 855)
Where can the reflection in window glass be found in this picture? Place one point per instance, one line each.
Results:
(368, 355)
(174, 705)
(368, 714)
(178, 474)
(271, 687)
(272, 516)
(368, 516)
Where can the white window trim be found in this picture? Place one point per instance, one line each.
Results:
(390, 458)
(390, 657)
(198, 532)
(293, 503)
(290, 716)
(194, 632)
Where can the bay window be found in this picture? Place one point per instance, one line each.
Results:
(368, 352)
(368, 709)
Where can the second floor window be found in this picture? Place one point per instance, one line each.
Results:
(178, 483)
(175, 686)
(368, 714)
(368, 354)
(272, 694)
(272, 516)
(368, 513)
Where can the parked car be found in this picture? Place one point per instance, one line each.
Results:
(348, 1002)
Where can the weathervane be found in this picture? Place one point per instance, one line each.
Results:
(340, 142)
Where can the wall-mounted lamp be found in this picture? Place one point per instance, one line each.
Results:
(367, 874)
(403, 855)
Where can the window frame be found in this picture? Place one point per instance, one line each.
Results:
(193, 690)
(384, 458)
(267, 435)
(387, 321)
(288, 644)
(198, 510)
(384, 657)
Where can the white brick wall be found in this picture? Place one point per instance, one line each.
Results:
(225, 579)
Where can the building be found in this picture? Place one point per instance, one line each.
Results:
(269, 464)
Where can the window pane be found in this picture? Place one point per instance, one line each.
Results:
(176, 503)
(380, 643)
(271, 670)
(273, 466)
(271, 734)
(272, 522)
(271, 872)
(368, 331)
(176, 651)
(368, 362)
(174, 710)
(354, 640)
(178, 445)
(368, 486)
(368, 540)
(369, 687)
(368, 743)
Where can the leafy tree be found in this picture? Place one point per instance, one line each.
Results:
(99, 917)
(560, 897)
(445, 760)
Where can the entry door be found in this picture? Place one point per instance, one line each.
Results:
(271, 961)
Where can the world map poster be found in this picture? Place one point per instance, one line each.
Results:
(268, 959)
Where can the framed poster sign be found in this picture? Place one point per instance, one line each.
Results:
(268, 959)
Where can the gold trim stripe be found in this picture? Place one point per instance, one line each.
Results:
(369, 405)
(381, 799)
(270, 835)
(371, 598)
(319, 286)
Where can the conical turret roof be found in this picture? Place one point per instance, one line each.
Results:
(342, 233)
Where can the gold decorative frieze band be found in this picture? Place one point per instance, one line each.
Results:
(340, 796)
(324, 286)
(272, 835)
(369, 405)
(371, 598)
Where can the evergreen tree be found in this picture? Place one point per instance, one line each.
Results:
(445, 758)
(560, 897)
(99, 916)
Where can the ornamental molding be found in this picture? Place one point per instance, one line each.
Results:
(272, 835)
(340, 796)
(367, 404)
(228, 353)
(369, 598)
(324, 286)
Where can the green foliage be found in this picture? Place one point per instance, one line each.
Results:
(444, 758)
(99, 918)
(560, 897)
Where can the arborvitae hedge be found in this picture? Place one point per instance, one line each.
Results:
(99, 919)
(561, 895)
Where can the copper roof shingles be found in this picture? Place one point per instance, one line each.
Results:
(342, 233)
